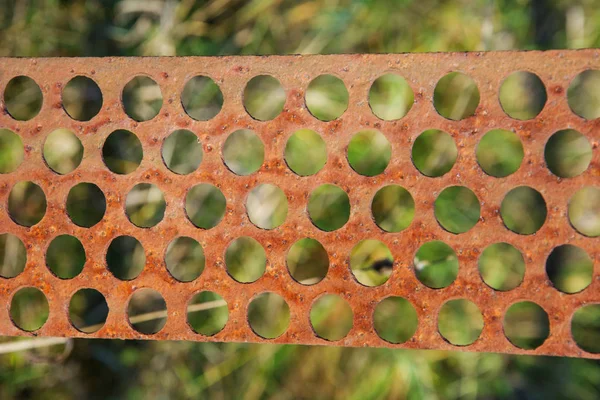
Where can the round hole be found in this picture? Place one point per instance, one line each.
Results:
(390, 97)
(457, 209)
(329, 207)
(22, 98)
(13, 255)
(331, 317)
(436, 264)
(522, 95)
(583, 94)
(11, 151)
(29, 309)
(523, 210)
(500, 153)
(82, 98)
(264, 97)
(26, 203)
(305, 152)
(584, 211)
(371, 262)
(369, 153)
(182, 152)
(122, 152)
(267, 206)
(434, 153)
(86, 204)
(585, 328)
(65, 256)
(207, 313)
(395, 319)
(569, 268)
(243, 152)
(268, 315)
(456, 96)
(326, 97)
(568, 153)
(502, 266)
(307, 261)
(526, 325)
(63, 151)
(147, 311)
(88, 310)
(142, 98)
(125, 258)
(460, 322)
(185, 259)
(393, 208)
(205, 205)
(245, 259)
(145, 205)
(201, 98)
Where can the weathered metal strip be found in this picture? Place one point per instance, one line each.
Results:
(422, 71)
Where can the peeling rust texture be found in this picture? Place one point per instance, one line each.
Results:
(422, 72)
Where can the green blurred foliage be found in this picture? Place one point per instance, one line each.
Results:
(205, 205)
(264, 97)
(526, 325)
(245, 259)
(436, 264)
(390, 97)
(185, 259)
(305, 152)
(145, 205)
(65, 256)
(125, 257)
(460, 322)
(522, 95)
(86, 204)
(500, 153)
(202, 98)
(63, 151)
(457, 209)
(456, 96)
(29, 309)
(207, 313)
(308, 261)
(502, 266)
(12, 151)
(122, 152)
(178, 370)
(393, 208)
(326, 97)
(268, 315)
(243, 152)
(570, 268)
(182, 152)
(369, 153)
(568, 153)
(88, 310)
(395, 319)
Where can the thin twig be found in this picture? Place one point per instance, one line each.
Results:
(23, 345)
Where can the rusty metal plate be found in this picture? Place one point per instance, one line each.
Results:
(422, 71)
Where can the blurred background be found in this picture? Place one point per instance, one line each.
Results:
(132, 369)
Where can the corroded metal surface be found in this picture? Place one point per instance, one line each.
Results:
(422, 72)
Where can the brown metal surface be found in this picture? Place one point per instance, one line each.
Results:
(422, 72)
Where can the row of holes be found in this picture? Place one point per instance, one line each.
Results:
(457, 209)
(499, 153)
(435, 264)
(522, 96)
(460, 322)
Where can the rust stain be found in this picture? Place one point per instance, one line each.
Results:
(556, 70)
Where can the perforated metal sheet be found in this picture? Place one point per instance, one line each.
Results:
(422, 72)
